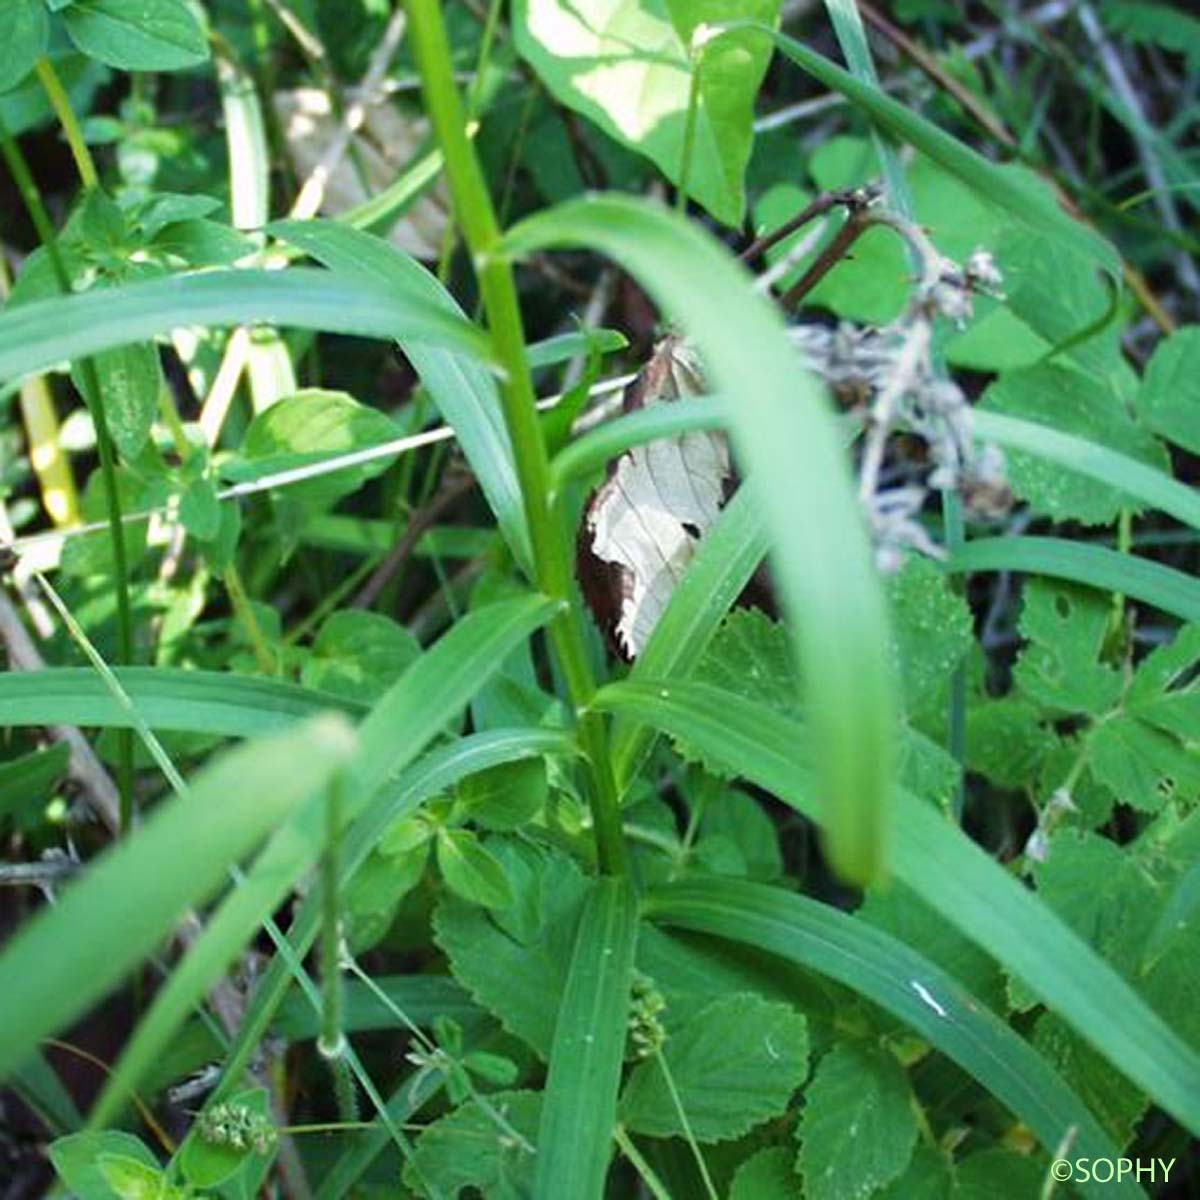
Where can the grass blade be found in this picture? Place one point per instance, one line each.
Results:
(787, 440)
(72, 954)
(725, 561)
(902, 982)
(414, 710)
(580, 1106)
(37, 336)
(1124, 574)
(1033, 208)
(216, 702)
(465, 392)
(1152, 487)
(954, 877)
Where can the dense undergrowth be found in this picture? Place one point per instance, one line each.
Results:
(597, 602)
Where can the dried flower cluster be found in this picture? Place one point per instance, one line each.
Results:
(236, 1126)
(646, 1033)
(890, 376)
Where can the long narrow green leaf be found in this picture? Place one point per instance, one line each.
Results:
(580, 1105)
(1035, 209)
(438, 770)
(952, 875)
(901, 981)
(597, 446)
(413, 711)
(725, 561)
(1152, 487)
(71, 954)
(36, 336)
(787, 439)
(1150, 582)
(465, 392)
(216, 702)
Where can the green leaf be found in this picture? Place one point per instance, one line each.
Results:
(309, 427)
(92, 554)
(767, 1175)
(1169, 399)
(200, 510)
(1107, 570)
(999, 1172)
(465, 392)
(471, 1149)
(76, 1160)
(24, 34)
(819, 938)
(1080, 406)
(130, 379)
(790, 449)
(409, 715)
(207, 1164)
(518, 971)
(1149, 485)
(858, 1127)
(400, 795)
(214, 702)
(67, 957)
(134, 1180)
(359, 655)
(1060, 667)
(470, 871)
(932, 629)
(627, 66)
(929, 1176)
(1005, 187)
(201, 243)
(580, 1102)
(36, 336)
(956, 878)
(137, 35)
(724, 563)
(504, 797)
(735, 1064)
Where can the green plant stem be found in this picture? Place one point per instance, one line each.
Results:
(654, 1185)
(93, 397)
(244, 611)
(689, 133)
(551, 549)
(332, 995)
(72, 131)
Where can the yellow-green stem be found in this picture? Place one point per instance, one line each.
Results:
(551, 548)
(72, 131)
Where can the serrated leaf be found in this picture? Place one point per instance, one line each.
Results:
(858, 1127)
(929, 1176)
(1007, 741)
(1143, 766)
(1059, 668)
(359, 654)
(998, 1172)
(767, 1175)
(470, 871)
(24, 32)
(137, 35)
(1169, 399)
(470, 1148)
(734, 1065)
(626, 66)
(931, 628)
(1080, 404)
(742, 823)
(518, 970)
